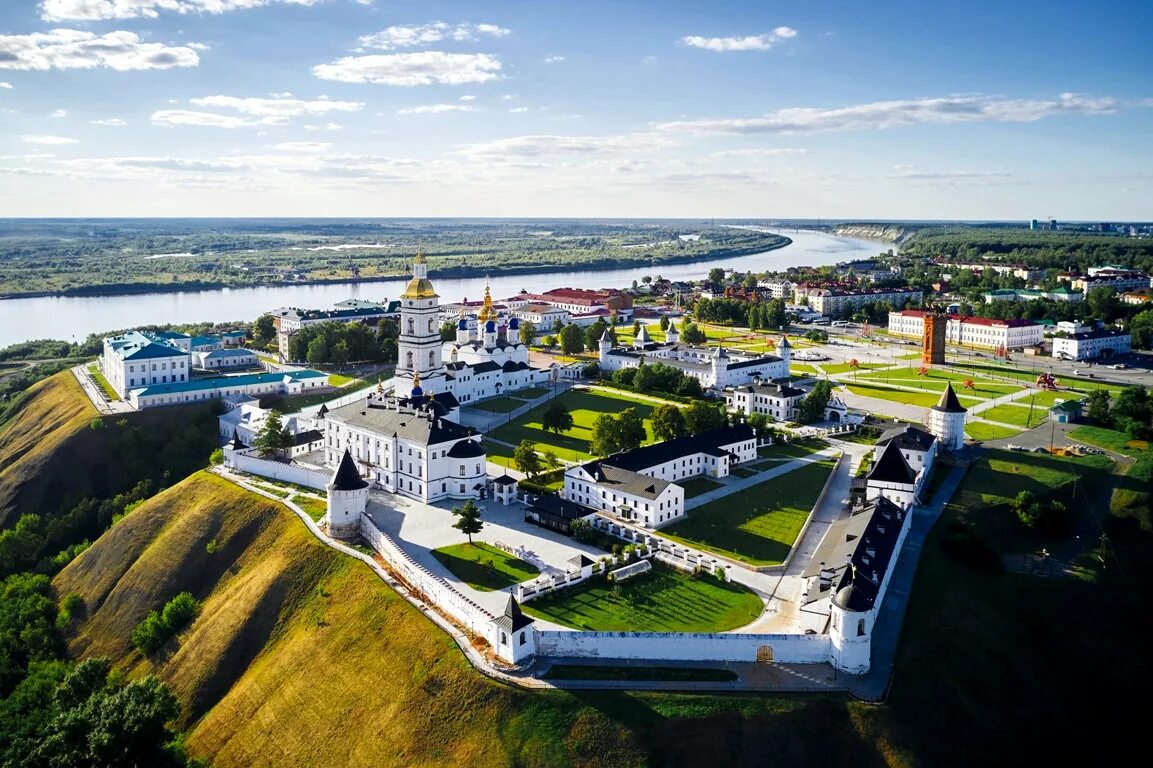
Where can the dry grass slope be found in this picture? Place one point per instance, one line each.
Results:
(34, 438)
(302, 657)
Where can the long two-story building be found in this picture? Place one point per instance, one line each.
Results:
(967, 331)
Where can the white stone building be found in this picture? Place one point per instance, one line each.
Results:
(641, 485)
(225, 359)
(486, 359)
(777, 401)
(713, 367)
(842, 302)
(276, 383)
(544, 317)
(140, 359)
(1091, 343)
(967, 331)
(415, 452)
(903, 458)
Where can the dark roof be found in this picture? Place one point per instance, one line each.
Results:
(710, 442)
(504, 480)
(485, 367)
(306, 437)
(386, 419)
(875, 551)
(581, 560)
(949, 402)
(892, 467)
(511, 367)
(774, 390)
(556, 507)
(466, 449)
(763, 359)
(513, 619)
(323, 409)
(347, 477)
(626, 480)
(908, 436)
(437, 403)
(236, 441)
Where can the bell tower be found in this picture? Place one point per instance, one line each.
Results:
(419, 345)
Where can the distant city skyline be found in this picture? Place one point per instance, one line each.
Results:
(838, 110)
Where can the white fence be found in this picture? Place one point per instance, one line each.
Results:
(277, 470)
(682, 557)
(430, 587)
(671, 646)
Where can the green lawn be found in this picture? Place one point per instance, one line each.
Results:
(935, 381)
(498, 453)
(1002, 474)
(1029, 376)
(314, 507)
(662, 600)
(585, 406)
(979, 431)
(922, 399)
(339, 379)
(1047, 398)
(759, 524)
(698, 485)
(484, 567)
(792, 450)
(105, 387)
(676, 674)
(1021, 415)
(531, 393)
(911, 356)
(835, 368)
(1110, 439)
(795, 368)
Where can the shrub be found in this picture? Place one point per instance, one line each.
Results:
(71, 608)
(97, 424)
(965, 545)
(159, 626)
(216, 458)
(719, 572)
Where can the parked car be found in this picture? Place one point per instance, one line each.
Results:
(1012, 447)
(1119, 366)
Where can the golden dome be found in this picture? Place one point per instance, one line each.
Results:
(419, 257)
(419, 288)
(486, 312)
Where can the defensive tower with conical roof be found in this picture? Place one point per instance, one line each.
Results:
(347, 499)
(947, 420)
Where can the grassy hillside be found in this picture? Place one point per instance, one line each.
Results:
(303, 657)
(35, 445)
(56, 450)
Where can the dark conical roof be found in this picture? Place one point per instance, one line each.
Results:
(513, 619)
(236, 443)
(323, 409)
(347, 477)
(892, 467)
(851, 598)
(949, 402)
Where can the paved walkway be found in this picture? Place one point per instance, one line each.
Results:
(96, 393)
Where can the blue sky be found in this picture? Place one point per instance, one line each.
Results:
(787, 108)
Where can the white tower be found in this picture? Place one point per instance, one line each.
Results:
(851, 630)
(720, 363)
(672, 335)
(513, 634)
(347, 499)
(419, 345)
(604, 346)
(785, 352)
(947, 420)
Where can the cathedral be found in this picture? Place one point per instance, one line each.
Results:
(474, 366)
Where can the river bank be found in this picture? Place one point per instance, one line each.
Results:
(73, 318)
(462, 272)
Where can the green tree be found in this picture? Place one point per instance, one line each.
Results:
(317, 353)
(557, 418)
(591, 370)
(468, 519)
(760, 422)
(717, 279)
(664, 322)
(812, 407)
(273, 437)
(264, 330)
(557, 326)
(27, 619)
(1098, 407)
(702, 417)
(549, 341)
(572, 341)
(341, 353)
(593, 334)
(606, 436)
(525, 458)
(1103, 303)
(631, 429)
(527, 332)
(668, 422)
(692, 334)
(448, 331)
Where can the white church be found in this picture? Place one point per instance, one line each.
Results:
(477, 364)
(713, 367)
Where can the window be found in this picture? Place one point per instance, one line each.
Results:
(522, 638)
(411, 327)
(861, 628)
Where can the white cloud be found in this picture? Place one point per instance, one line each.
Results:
(47, 140)
(468, 97)
(546, 145)
(112, 121)
(553, 59)
(411, 69)
(324, 127)
(5, 85)
(75, 49)
(416, 35)
(891, 114)
(277, 107)
(173, 117)
(98, 10)
(60, 113)
(435, 109)
(508, 97)
(746, 43)
(761, 152)
(518, 110)
(302, 146)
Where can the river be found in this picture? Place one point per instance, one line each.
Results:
(74, 317)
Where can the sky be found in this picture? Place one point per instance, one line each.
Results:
(892, 109)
